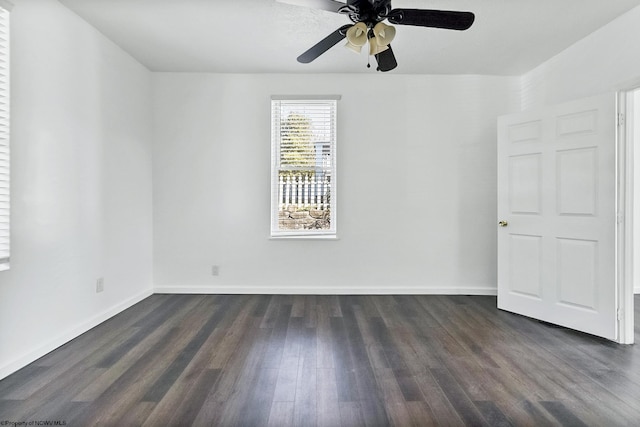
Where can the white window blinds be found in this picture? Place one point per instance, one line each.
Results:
(4, 135)
(303, 180)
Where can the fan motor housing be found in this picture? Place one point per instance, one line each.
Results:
(368, 11)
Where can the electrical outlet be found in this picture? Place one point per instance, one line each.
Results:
(99, 285)
(215, 270)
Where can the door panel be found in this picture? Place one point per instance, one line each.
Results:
(525, 272)
(577, 272)
(556, 193)
(525, 177)
(577, 184)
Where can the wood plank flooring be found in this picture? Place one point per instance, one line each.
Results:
(260, 360)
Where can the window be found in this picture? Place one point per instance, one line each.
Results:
(5, 7)
(303, 166)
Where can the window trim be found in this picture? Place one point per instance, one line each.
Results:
(275, 234)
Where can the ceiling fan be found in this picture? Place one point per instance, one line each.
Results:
(368, 18)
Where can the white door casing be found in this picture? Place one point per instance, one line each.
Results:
(557, 194)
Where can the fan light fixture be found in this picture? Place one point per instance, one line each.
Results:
(380, 36)
(374, 47)
(357, 37)
(384, 33)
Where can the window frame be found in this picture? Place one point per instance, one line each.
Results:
(276, 121)
(5, 134)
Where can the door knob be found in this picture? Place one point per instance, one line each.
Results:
(503, 223)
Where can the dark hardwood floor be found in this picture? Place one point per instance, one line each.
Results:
(180, 360)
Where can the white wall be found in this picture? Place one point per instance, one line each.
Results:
(605, 61)
(416, 182)
(81, 182)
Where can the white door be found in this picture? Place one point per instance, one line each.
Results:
(557, 213)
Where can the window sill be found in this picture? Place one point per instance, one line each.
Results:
(306, 237)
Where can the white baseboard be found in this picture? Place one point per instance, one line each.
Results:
(364, 290)
(69, 335)
(636, 290)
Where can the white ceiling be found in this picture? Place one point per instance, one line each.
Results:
(509, 37)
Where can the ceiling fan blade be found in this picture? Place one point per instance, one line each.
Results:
(432, 18)
(330, 5)
(324, 45)
(386, 60)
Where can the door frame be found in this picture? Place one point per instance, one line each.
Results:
(625, 202)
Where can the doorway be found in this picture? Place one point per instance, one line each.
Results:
(633, 114)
